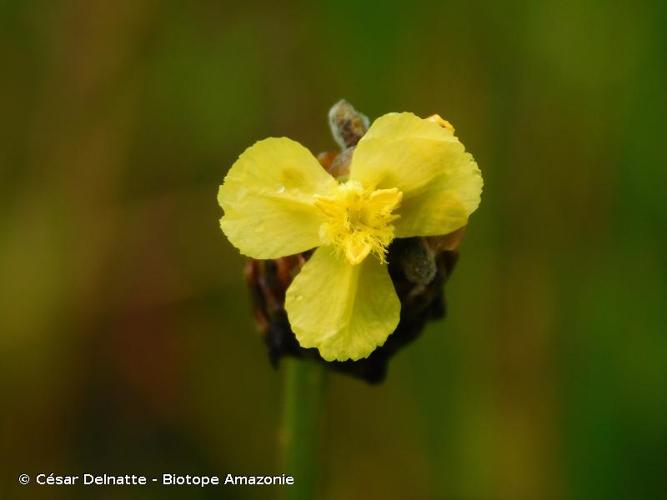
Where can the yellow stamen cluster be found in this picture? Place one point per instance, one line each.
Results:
(359, 220)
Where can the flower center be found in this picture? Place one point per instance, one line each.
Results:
(358, 220)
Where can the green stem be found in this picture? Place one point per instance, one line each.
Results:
(304, 393)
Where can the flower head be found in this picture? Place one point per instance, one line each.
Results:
(408, 176)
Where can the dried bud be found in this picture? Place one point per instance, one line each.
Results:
(347, 124)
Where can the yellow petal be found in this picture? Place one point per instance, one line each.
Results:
(440, 182)
(444, 205)
(268, 199)
(343, 310)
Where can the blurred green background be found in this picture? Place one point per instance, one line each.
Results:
(126, 339)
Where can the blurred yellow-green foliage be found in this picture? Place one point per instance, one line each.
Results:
(126, 341)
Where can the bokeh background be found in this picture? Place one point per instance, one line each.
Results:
(126, 340)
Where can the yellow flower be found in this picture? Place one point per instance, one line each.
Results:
(408, 177)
